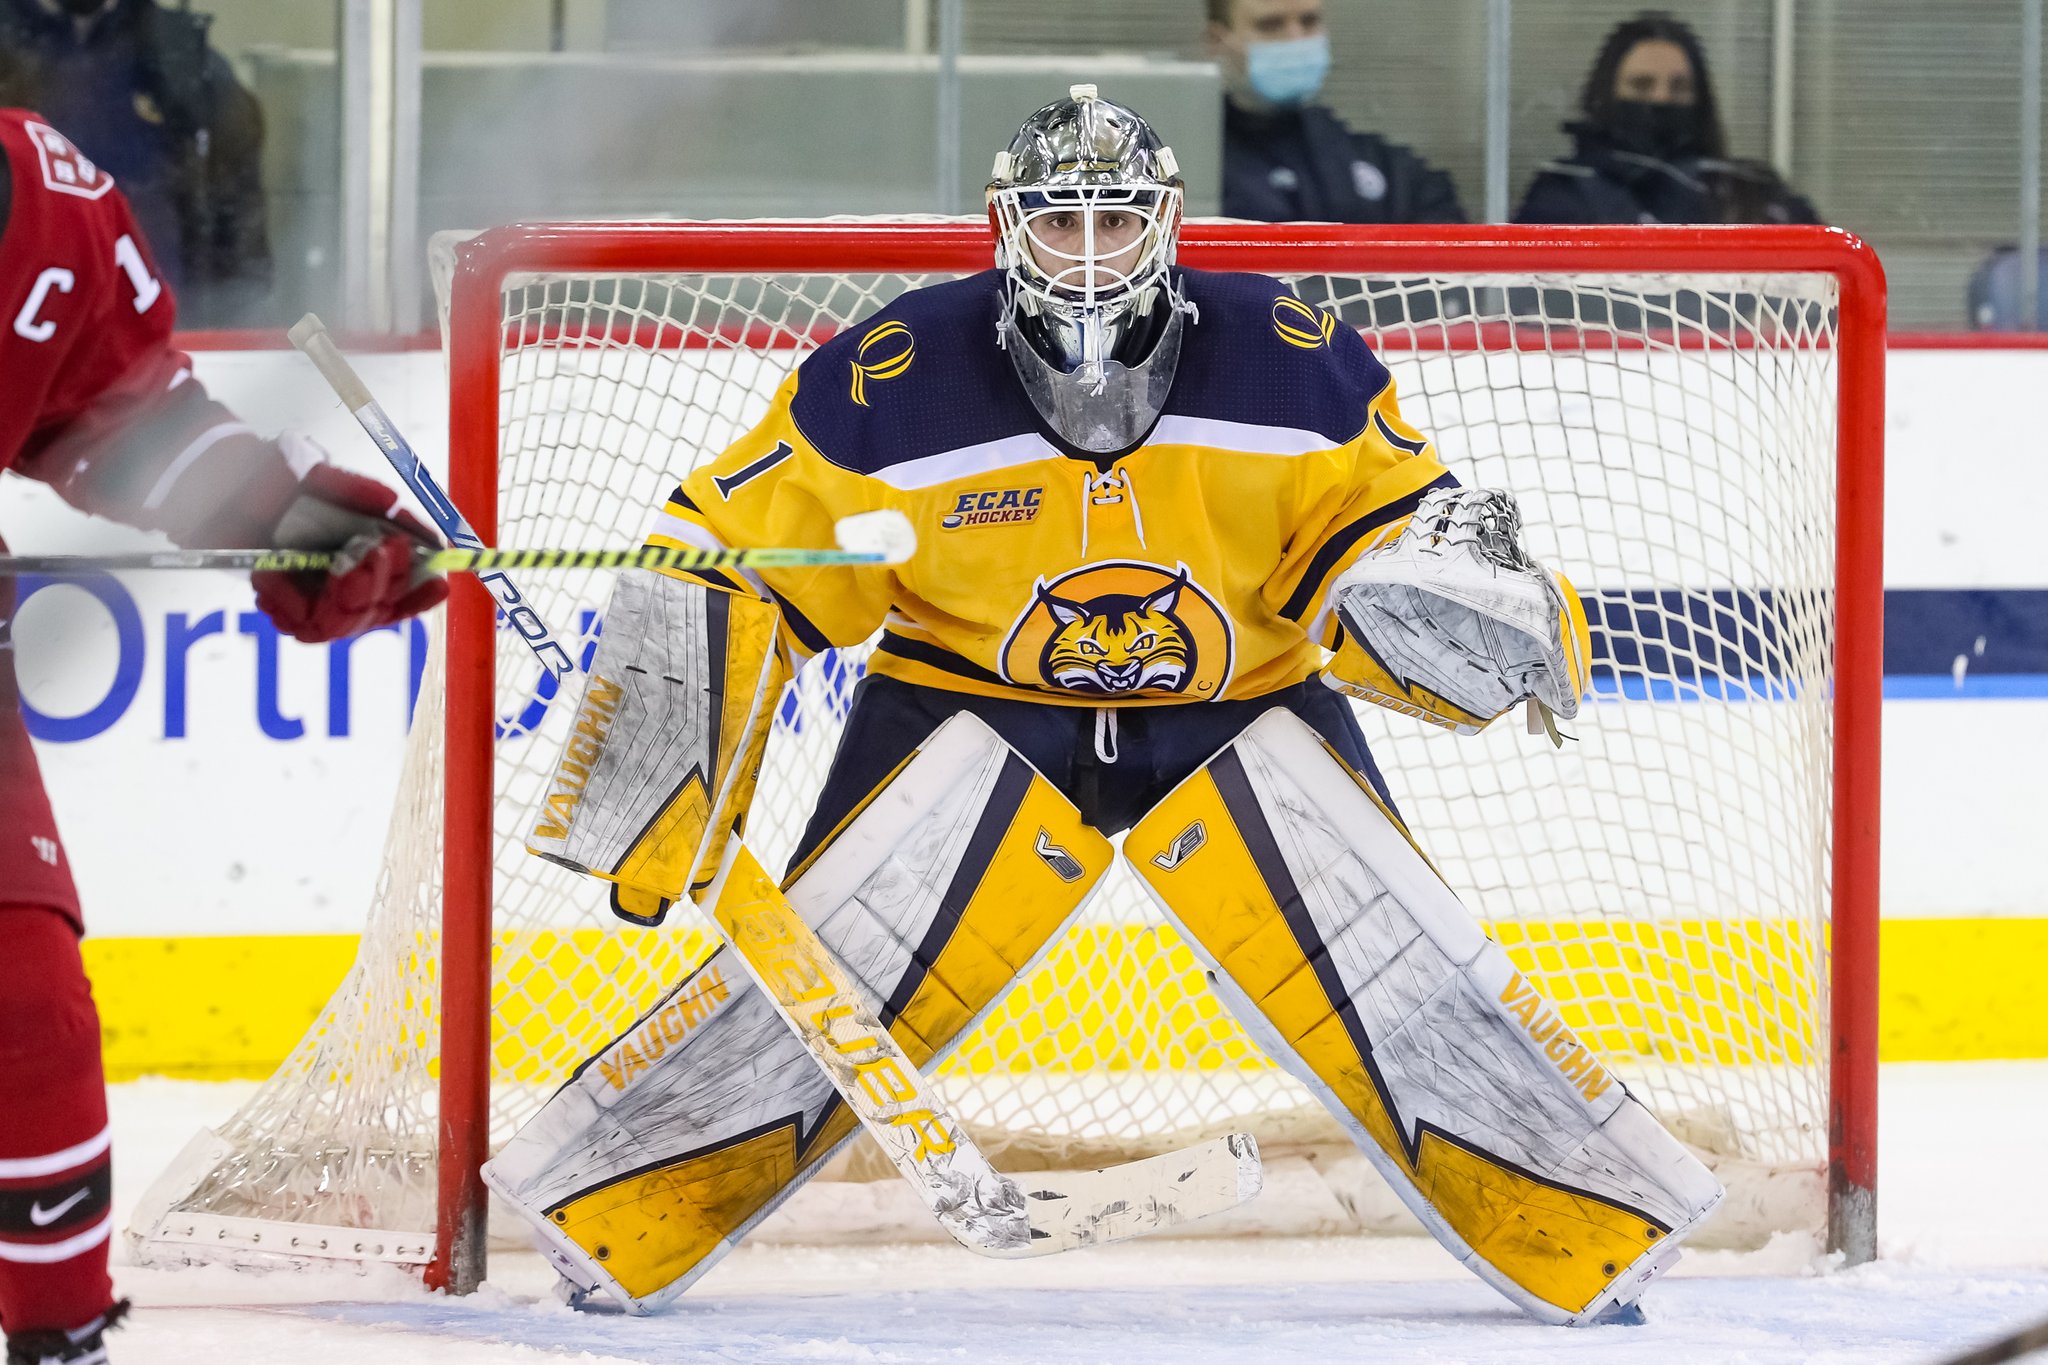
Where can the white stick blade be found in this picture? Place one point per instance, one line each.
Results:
(1094, 1208)
(886, 532)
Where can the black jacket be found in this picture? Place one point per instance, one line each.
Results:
(146, 97)
(1303, 164)
(1601, 183)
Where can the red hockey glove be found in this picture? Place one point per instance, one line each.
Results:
(373, 583)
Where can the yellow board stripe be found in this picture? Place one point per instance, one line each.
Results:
(223, 1008)
(1951, 990)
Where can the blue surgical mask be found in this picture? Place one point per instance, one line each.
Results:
(1289, 72)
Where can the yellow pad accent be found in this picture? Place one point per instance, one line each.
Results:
(658, 863)
(1563, 1247)
(642, 1227)
(1027, 864)
(1015, 907)
(750, 639)
(1356, 673)
(1578, 640)
(686, 834)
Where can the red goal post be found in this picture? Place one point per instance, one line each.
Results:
(477, 334)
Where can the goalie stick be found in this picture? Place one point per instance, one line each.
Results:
(853, 531)
(2024, 1342)
(982, 1209)
(979, 1207)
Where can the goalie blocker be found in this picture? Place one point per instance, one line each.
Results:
(667, 741)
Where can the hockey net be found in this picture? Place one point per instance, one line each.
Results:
(1688, 419)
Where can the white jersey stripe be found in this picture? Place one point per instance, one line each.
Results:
(53, 1163)
(209, 438)
(1247, 437)
(45, 1253)
(930, 470)
(1025, 448)
(688, 532)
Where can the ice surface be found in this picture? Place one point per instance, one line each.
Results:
(1963, 1224)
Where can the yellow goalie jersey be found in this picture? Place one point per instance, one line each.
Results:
(1192, 567)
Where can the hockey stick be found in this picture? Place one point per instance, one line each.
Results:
(978, 1206)
(982, 1209)
(868, 538)
(2024, 1342)
(853, 531)
(309, 334)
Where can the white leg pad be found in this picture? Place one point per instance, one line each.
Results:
(1355, 967)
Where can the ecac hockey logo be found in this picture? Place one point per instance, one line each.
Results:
(1121, 629)
(993, 507)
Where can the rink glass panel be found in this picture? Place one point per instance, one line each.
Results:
(1666, 877)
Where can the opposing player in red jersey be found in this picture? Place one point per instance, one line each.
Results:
(96, 403)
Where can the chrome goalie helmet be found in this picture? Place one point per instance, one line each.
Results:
(1086, 203)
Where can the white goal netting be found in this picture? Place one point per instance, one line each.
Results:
(1664, 877)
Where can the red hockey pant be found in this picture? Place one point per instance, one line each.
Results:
(55, 1177)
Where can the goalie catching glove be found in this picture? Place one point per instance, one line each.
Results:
(1453, 622)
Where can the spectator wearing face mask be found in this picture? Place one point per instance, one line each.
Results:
(1286, 158)
(137, 87)
(1649, 147)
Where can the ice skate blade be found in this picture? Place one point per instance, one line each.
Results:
(585, 1300)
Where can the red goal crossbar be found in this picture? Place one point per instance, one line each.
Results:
(484, 263)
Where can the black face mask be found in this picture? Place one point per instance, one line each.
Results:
(1665, 131)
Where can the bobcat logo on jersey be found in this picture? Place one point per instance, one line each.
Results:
(882, 354)
(1300, 325)
(1121, 629)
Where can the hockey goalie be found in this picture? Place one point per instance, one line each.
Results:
(1167, 520)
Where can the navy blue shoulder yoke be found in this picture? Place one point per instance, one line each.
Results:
(922, 376)
(925, 374)
(1257, 354)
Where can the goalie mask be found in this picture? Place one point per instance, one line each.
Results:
(1085, 203)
